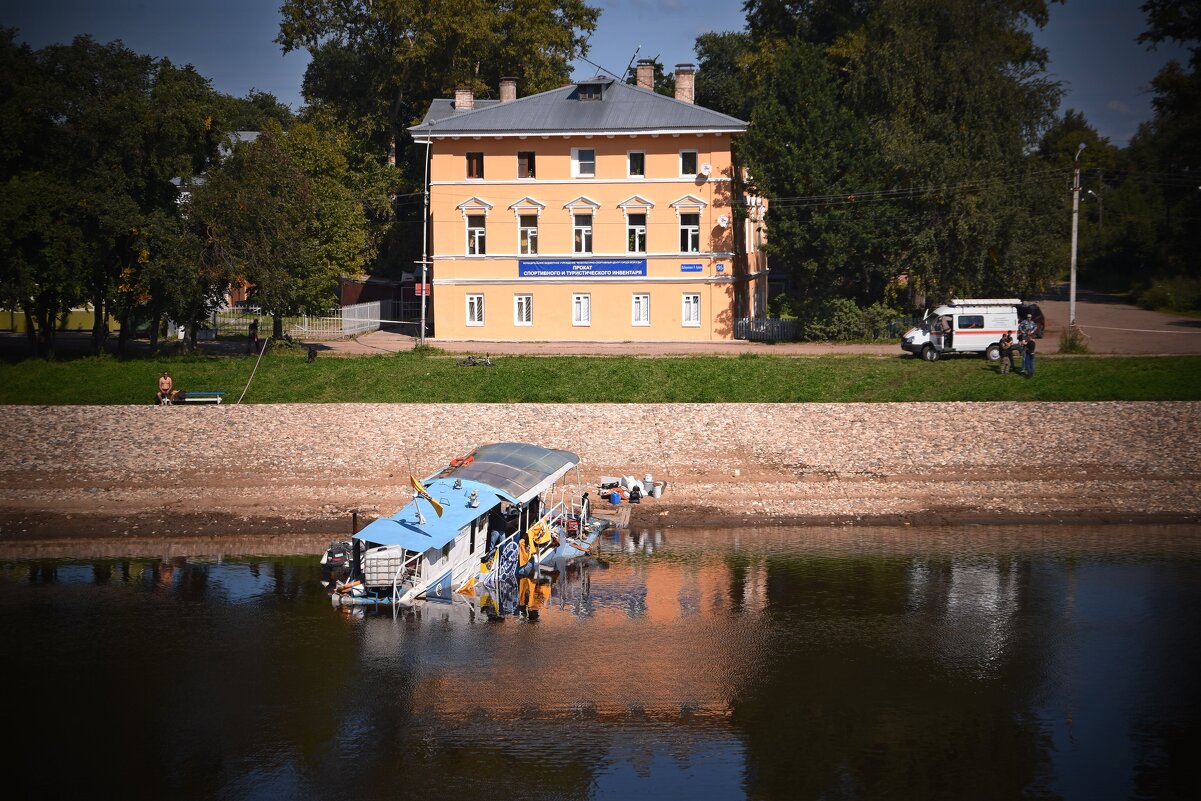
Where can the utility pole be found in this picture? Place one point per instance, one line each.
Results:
(1075, 227)
(425, 230)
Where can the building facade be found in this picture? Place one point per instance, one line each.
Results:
(597, 211)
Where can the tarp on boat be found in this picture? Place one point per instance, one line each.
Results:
(403, 529)
(514, 470)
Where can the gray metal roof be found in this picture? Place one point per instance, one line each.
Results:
(622, 108)
(516, 469)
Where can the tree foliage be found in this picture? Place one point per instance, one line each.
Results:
(893, 138)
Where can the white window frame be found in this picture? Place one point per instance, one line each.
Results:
(696, 159)
(690, 315)
(522, 240)
(630, 153)
(576, 170)
(475, 309)
(523, 309)
(640, 311)
(639, 228)
(586, 230)
(693, 233)
(581, 308)
(477, 238)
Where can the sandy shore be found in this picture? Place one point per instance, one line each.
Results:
(258, 473)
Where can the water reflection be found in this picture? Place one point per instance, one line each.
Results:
(775, 664)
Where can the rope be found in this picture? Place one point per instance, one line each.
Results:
(262, 350)
(1142, 330)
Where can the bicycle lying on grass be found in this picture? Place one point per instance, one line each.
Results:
(473, 361)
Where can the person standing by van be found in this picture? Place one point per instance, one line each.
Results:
(1006, 344)
(1028, 357)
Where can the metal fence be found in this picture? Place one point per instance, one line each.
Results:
(339, 323)
(768, 329)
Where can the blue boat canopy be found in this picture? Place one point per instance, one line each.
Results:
(403, 529)
(510, 471)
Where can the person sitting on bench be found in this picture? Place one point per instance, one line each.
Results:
(166, 389)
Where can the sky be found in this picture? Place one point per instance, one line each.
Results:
(1106, 74)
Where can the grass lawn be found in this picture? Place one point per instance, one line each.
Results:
(436, 377)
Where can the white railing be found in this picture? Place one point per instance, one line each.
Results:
(338, 323)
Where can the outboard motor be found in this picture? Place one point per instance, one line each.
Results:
(335, 563)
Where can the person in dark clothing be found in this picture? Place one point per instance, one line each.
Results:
(252, 336)
(1006, 344)
(1028, 357)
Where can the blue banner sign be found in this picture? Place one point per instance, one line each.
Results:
(581, 268)
(691, 268)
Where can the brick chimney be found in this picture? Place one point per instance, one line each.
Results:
(685, 82)
(464, 99)
(646, 73)
(508, 90)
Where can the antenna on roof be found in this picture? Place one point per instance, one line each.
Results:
(637, 50)
(599, 67)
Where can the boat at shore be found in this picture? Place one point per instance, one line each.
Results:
(505, 511)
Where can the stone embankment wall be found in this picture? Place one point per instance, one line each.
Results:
(146, 470)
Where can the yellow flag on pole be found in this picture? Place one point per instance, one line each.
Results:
(421, 491)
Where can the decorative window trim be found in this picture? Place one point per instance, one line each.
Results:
(527, 205)
(689, 204)
(581, 202)
(637, 202)
(474, 205)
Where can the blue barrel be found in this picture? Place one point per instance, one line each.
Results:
(615, 497)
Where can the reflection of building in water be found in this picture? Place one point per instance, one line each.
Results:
(610, 642)
(977, 601)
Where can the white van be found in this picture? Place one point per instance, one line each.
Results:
(964, 326)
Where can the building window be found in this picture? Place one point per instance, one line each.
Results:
(692, 310)
(637, 165)
(687, 162)
(528, 234)
(475, 310)
(525, 164)
(581, 309)
(642, 309)
(690, 233)
(588, 91)
(583, 162)
(475, 165)
(636, 233)
(523, 310)
(583, 233)
(475, 235)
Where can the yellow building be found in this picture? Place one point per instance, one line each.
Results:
(597, 211)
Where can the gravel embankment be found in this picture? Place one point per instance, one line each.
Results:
(146, 471)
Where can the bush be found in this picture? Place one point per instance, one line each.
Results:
(1073, 340)
(1179, 294)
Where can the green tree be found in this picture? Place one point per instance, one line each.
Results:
(279, 215)
(894, 137)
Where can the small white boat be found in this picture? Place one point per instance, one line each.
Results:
(504, 511)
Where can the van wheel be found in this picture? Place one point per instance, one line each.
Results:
(929, 353)
(993, 353)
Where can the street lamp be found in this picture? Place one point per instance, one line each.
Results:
(1075, 226)
(1100, 212)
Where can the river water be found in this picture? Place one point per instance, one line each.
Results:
(786, 664)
